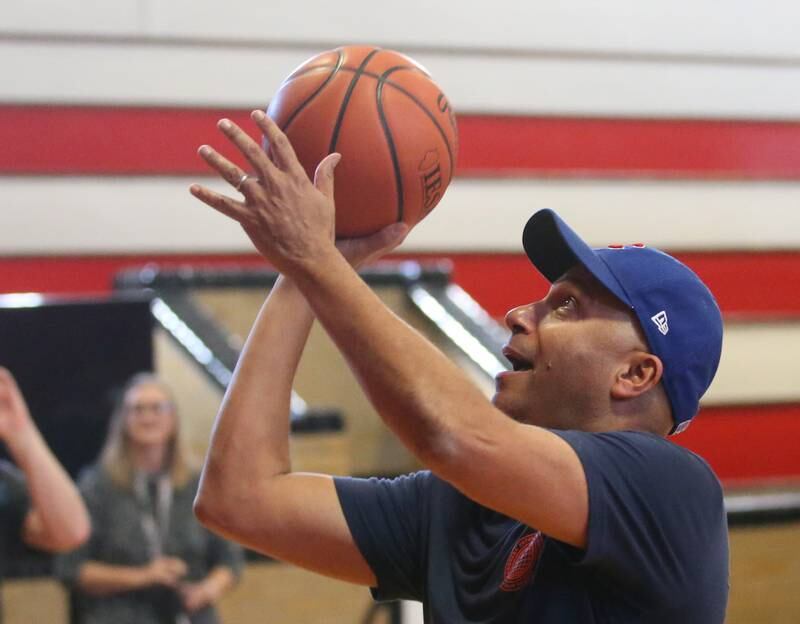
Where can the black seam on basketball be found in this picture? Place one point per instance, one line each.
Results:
(315, 94)
(424, 108)
(337, 127)
(398, 176)
(304, 72)
(365, 72)
(416, 101)
(314, 68)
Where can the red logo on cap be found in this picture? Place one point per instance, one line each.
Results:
(522, 562)
(635, 245)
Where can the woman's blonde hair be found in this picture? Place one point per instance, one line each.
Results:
(115, 458)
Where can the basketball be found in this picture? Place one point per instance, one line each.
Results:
(392, 124)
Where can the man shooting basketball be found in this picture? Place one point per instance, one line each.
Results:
(559, 501)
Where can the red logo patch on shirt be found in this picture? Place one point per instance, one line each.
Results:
(522, 562)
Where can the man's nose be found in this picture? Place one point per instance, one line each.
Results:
(522, 318)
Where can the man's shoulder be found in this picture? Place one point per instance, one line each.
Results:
(646, 487)
(646, 455)
(631, 442)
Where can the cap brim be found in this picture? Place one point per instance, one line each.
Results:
(554, 248)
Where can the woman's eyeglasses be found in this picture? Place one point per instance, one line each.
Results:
(159, 407)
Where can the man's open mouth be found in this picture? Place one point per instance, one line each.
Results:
(517, 361)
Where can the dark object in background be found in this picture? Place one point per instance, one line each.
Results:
(70, 358)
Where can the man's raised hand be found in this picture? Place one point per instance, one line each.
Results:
(288, 218)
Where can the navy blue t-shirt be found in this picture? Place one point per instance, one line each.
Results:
(657, 548)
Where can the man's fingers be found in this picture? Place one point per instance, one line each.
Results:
(323, 176)
(388, 238)
(394, 234)
(227, 206)
(229, 172)
(280, 146)
(361, 250)
(251, 150)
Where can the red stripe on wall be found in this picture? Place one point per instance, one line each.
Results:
(94, 140)
(95, 274)
(147, 141)
(747, 442)
(760, 284)
(629, 147)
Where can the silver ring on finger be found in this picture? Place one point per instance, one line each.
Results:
(242, 180)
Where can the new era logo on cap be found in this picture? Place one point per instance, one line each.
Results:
(660, 320)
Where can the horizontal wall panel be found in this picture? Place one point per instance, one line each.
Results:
(675, 215)
(120, 140)
(104, 215)
(618, 25)
(142, 73)
(740, 28)
(758, 365)
(137, 214)
(57, 17)
(199, 74)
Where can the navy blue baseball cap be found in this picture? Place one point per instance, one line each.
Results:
(678, 314)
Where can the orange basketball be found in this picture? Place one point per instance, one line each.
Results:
(391, 123)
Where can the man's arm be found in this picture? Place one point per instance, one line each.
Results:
(247, 490)
(57, 520)
(523, 471)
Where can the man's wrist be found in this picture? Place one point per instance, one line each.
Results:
(311, 266)
(314, 270)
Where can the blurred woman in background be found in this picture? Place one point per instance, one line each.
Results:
(148, 560)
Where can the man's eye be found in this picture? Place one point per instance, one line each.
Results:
(568, 302)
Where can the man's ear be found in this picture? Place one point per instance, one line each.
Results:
(640, 372)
